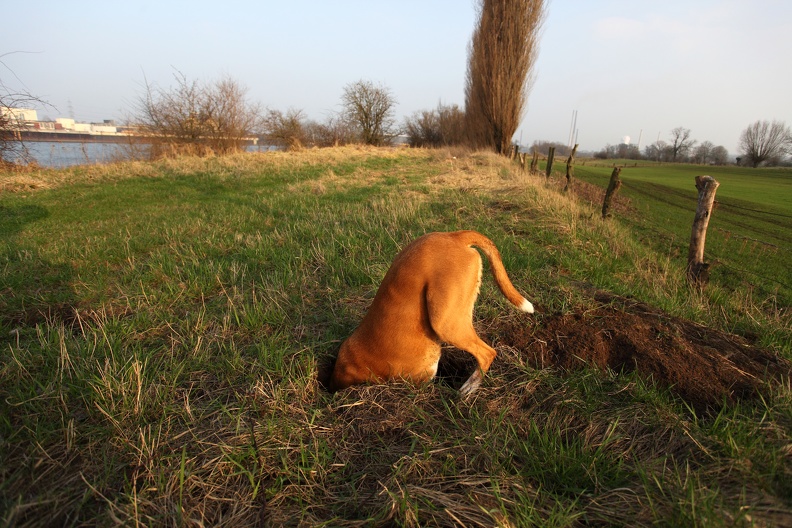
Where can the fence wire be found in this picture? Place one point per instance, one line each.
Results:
(732, 206)
(717, 254)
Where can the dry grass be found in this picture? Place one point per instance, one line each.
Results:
(180, 386)
(233, 165)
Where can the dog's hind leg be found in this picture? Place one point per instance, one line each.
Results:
(453, 324)
(484, 355)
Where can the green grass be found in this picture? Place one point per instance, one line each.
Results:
(749, 241)
(162, 324)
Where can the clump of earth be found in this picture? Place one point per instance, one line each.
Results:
(703, 366)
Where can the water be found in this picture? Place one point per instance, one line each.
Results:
(63, 154)
(66, 154)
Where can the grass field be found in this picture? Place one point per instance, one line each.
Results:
(162, 326)
(750, 236)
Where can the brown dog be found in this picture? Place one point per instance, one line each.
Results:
(426, 298)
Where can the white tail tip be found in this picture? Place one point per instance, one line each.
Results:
(526, 306)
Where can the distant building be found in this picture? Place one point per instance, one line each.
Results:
(103, 129)
(19, 114)
(65, 123)
(26, 120)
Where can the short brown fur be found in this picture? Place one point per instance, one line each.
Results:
(426, 298)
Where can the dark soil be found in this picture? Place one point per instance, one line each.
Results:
(705, 367)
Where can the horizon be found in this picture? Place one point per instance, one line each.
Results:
(627, 70)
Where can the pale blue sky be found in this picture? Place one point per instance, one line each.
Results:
(629, 67)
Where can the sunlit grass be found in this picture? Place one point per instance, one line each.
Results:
(162, 325)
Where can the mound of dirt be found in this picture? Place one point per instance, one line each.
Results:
(705, 367)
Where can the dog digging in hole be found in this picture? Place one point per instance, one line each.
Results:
(425, 299)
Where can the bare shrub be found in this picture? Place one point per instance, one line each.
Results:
(442, 127)
(333, 132)
(284, 129)
(196, 118)
(422, 129)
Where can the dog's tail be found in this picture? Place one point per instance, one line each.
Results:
(473, 238)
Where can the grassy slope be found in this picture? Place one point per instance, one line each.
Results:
(771, 187)
(161, 326)
(750, 235)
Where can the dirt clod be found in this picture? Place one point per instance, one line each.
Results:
(705, 367)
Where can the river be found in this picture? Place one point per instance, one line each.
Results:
(65, 154)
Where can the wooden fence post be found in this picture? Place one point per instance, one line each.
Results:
(523, 157)
(550, 156)
(697, 269)
(613, 187)
(534, 161)
(569, 170)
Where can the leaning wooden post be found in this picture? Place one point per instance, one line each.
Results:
(534, 161)
(569, 170)
(697, 269)
(613, 187)
(523, 157)
(550, 156)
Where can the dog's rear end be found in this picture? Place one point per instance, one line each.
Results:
(426, 297)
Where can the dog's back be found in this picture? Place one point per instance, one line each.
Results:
(426, 298)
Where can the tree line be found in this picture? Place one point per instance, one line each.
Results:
(201, 117)
(761, 143)
(216, 116)
(680, 148)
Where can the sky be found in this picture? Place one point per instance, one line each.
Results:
(628, 68)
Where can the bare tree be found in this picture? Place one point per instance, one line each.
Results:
(763, 141)
(13, 102)
(370, 107)
(658, 151)
(197, 117)
(708, 153)
(719, 155)
(501, 57)
(703, 153)
(680, 143)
